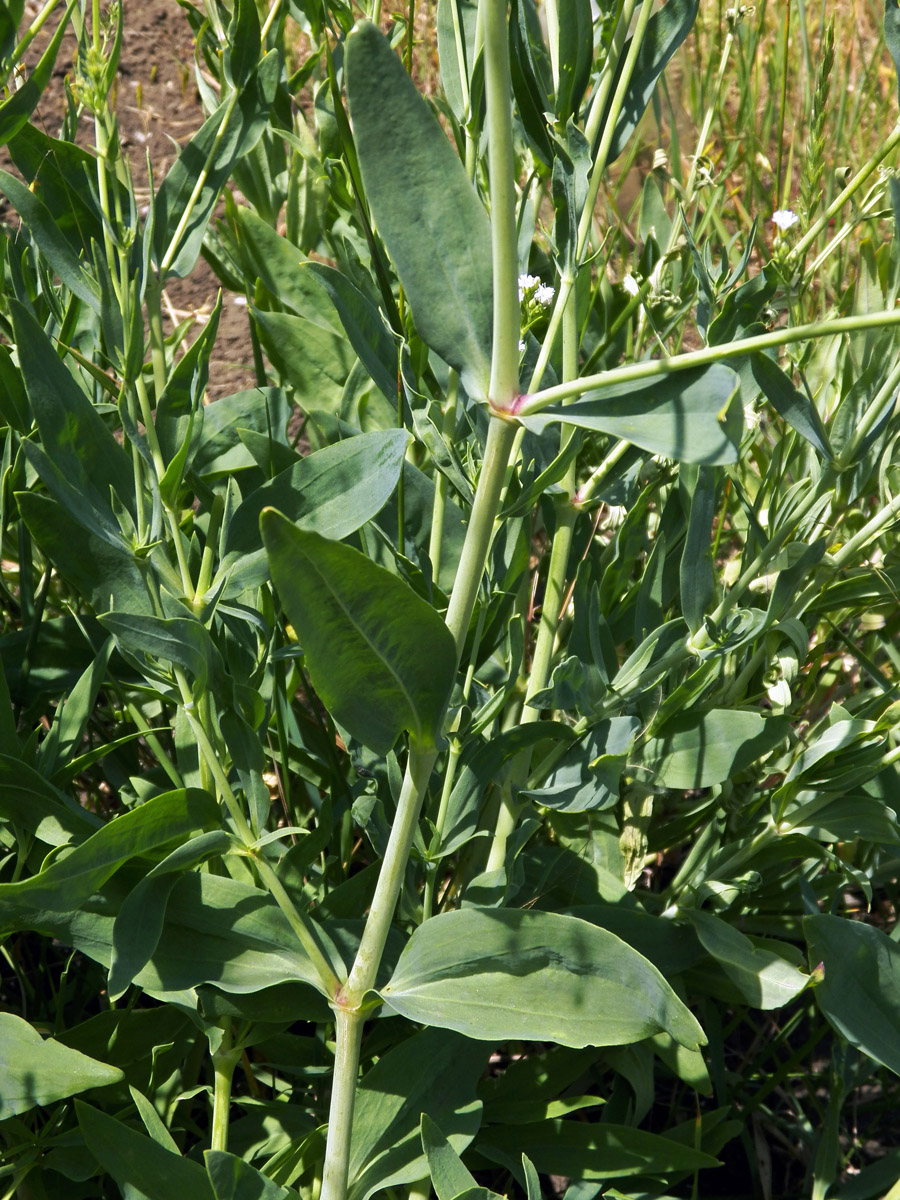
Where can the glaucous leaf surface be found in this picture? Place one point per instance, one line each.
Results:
(433, 224)
(515, 973)
(35, 1070)
(379, 657)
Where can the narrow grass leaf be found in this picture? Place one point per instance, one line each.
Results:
(538, 976)
(36, 1070)
(689, 416)
(379, 657)
(434, 226)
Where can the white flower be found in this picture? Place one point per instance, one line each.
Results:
(784, 219)
(521, 345)
(544, 295)
(526, 283)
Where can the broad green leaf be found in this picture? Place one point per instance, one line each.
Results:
(696, 569)
(584, 1150)
(73, 434)
(332, 492)
(860, 991)
(575, 52)
(105, 574)
(208, 159)
(311, 359)
(262, 410)
(434, 226)
(379, 657)
(71, 879)
(139, 924)
(242, 52)
(136, 1161)
(234, 1179)
(666, 30)
(38, 1071)
(448, 1175)
(434, 1072)
(364, 326)
(691, 416)
(29, 801)
(798, 410)
(177, 641)
(42, 225)
(766, 978)
(538, 976)
(701, 749)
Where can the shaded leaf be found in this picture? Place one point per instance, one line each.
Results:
(766, 978)
(380, 658)
(699, 749)
(38, 1071)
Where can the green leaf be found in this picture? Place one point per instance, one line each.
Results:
(533, 975)
(766, 978)
(38, 1071)
(262, 410)
(242, 52)
(892, 33)
(139, 924)
(208, 160)
(310, 358)
(105, 574)
(16, 110)
(796, 408)
(576, 52)
(860, 992)
(434, 1072)
(665, 32)
(234, 1179)
(178, 641)
(137, 1162)
(452, 71)
(73, 434)
(41, 223)
(700, 749)
(582, 1150)
(433, 224)
(690, 416)
(379, 657)
(29, 801)
(332, 492)
(70, 880)
(364, 326)
(696, 569)
(448, 1175)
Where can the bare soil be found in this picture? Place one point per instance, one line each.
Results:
(159, 109)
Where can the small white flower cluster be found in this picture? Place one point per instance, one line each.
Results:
(531, 288)
(784, 219)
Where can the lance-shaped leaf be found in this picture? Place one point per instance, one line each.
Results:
(35, 1071)
(433, 224)
(690, 416)
(539, 976)
(379, 657)
(860, 993)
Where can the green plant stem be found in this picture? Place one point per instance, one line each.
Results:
(652, 368)
(348, 1039)
(436, 537)
(33, 30)
(225, 1059)
(349, 1006)
(446, 790)
(305, 931)
(170, 254)
(871, 164)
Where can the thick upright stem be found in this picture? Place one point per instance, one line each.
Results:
(348, 1039)
(225, 1059)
